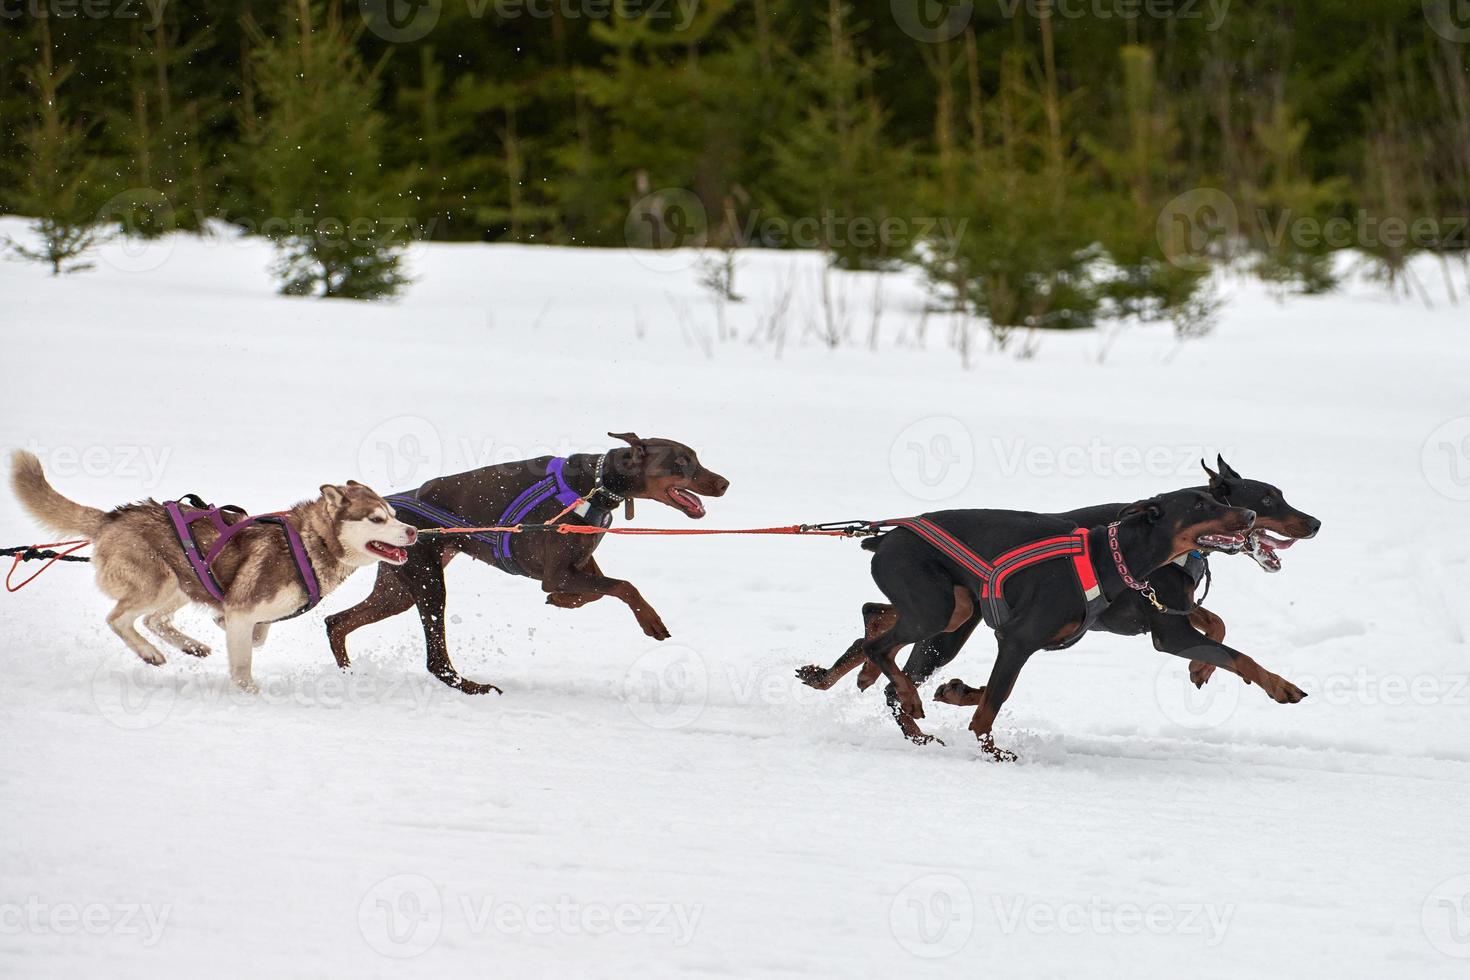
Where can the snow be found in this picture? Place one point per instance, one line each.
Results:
(688, 808)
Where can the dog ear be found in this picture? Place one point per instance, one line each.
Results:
(1226, 470)
(628, 437)
(1149, 510)
(332, 494)
(1206, 467)
(354, 483)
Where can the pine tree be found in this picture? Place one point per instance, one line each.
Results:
(314, 162)
(55, 177)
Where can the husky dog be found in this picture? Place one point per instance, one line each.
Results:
(141, 564)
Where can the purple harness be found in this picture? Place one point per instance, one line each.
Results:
(552, 486)
(203, 565)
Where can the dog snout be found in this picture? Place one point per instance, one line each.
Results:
(714, 484)
(410, 534)
(1313, 526)
(1249, 516)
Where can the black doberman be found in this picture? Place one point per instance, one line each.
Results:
(1199, 636)
(580, 489)
(931, 593)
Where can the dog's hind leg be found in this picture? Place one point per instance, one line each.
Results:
(122, 618)
(161, 622)
(1212, 626)
(878, 618)
(424, 583)
(390, 596)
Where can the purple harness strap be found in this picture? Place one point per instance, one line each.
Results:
(203, 564)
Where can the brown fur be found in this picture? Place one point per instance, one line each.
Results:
(140, 565)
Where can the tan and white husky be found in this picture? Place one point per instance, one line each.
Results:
(141, 564)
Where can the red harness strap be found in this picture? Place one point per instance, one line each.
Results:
(993, 574)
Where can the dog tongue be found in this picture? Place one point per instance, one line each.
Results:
(692, 504)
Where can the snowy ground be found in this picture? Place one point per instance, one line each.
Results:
(688, 808)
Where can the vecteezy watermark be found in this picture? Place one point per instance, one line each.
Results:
(38, 918)
(1100, 917)
(404, 916)
(667, 687)
(933, 916)
(933, 459)
(1446, 458)
(1450, 19)
(134, 695)
(401, 916)
(1203, 227)
(1207, 706)
(400, 452)
(1445, 916)
(1196, 229)
(932, 21)
(1364, 686)
(663, 228)
(150, 11)
(143, 464)
(1213, 12)
(145, 219)
(1016, 455)
(405, 21)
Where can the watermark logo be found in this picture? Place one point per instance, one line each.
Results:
(667, 687)
(934, 458)
(665, 228)
(1446, 917)
(144, 465)
(400, 21)
(932, 21)
(1196, 227)
(1450, 19)
(1208, 706)
(37, 918)
(401, 916)
(128, 692)
(1099, 917)
(146, 220)
(400, 452)
(1446, 458)
(933, 916)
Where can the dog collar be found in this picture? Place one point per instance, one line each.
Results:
(600, 495)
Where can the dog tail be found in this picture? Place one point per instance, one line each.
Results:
(49, 508)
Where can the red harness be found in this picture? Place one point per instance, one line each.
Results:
(992, 575)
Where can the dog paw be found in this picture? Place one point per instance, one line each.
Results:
(475, 687)
(988, 746)
(1285, 692)
(923, 738)
(152, 657)
(951, 691)
(1200, 673)
(810, 675)
(656, 629)
(247, 685)
(196, 649)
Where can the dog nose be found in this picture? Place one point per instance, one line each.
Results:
(1250, 515)
(1315, 525)
(413, 534)
(721, 485)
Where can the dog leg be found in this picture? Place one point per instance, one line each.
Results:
(1174, 635)
(388, 598)
(1013, 655)
(161, 622)
(878, 618)
(122, 618)
(1212, 626)
(590, 581)
(424, 582)
(239, 632)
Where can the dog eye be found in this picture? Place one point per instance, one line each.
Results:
(378, 519)
(1267, 500)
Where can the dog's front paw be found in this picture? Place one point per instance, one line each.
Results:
(196, 649)
(811, 675)
(247, 684)
(1200, 672)
(654, 627)
(475, 687)
(1283, 691)
(955, 691)
(153, 657)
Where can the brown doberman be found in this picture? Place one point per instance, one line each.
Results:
(580, 489)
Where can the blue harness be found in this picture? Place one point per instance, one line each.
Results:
(551, 487)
